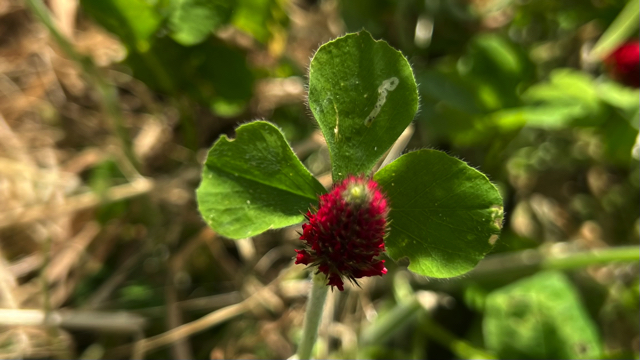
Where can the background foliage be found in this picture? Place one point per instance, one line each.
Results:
(109, 106)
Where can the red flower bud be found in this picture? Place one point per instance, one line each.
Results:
(624, 64)
(344, 237)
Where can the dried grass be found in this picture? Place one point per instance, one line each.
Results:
(53, 134)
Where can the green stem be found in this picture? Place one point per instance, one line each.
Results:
(390, 323)
(532, 260)
(315, 305)
(594, 257)
(625, 24)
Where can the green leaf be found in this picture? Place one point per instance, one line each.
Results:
(449, 88)
(260, 18)
(499, 52)
(445, 216)
(623, 27)
(570, 97)
(622, 97)
(548, 117)
(496, 67)
(565, 86)
(254, 183)
(133, 21)
(211, 72)
(363, 94)
(193, 20)
(540, 317)
(459, 95)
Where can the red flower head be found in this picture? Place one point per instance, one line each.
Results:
(624, 64)
(345, 235)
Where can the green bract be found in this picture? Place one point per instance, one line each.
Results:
(445, 216)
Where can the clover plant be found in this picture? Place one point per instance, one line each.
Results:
(433, 209)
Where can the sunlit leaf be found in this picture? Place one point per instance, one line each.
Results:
(445, 216)
(254, 183)
(363, 94)
(565, 85)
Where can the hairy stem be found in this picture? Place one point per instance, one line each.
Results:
(315, 305)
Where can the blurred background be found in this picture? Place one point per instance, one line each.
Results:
(107, 108)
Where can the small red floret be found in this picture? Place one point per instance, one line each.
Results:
(344, 237)
(624, 64)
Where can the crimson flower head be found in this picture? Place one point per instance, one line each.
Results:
(624, 64)
(344, 237)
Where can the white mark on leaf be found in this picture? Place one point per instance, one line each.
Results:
(335, 130)
(386, 86)
(497, 215)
